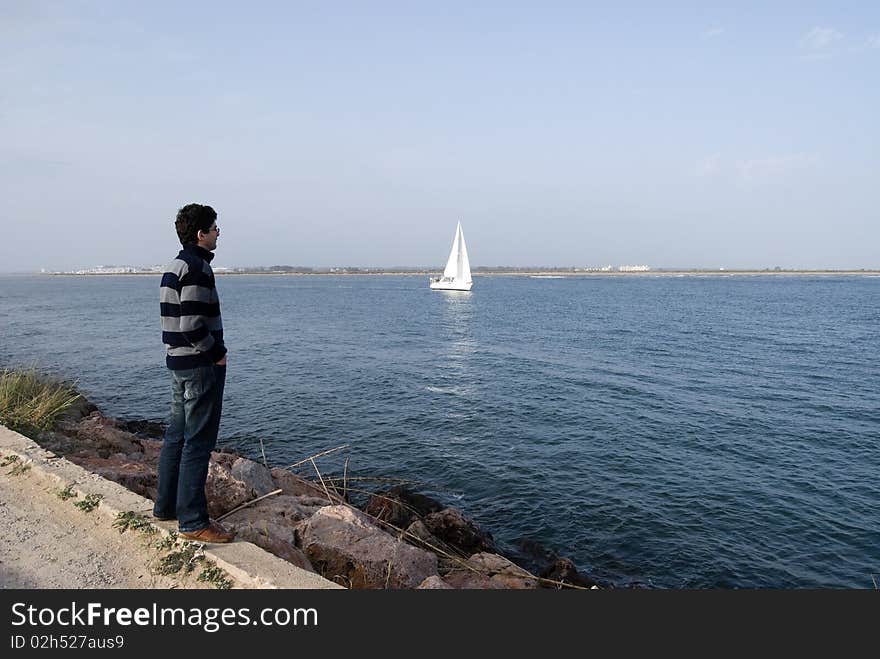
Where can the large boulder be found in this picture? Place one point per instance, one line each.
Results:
(451, 526)
(224, 491)
(298, 486)
(346, 547)
(274, 538)
(224, 458)
(254, 474)
(281, 510)
(485, 570)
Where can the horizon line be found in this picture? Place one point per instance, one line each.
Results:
(335, 269)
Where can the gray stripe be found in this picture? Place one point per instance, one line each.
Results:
(168, 295)
(191, 323)
(193, 293)
(172, 324)
(179, 267)
(205, 344)
(184, 351)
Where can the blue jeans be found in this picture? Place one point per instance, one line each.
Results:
(196, 404)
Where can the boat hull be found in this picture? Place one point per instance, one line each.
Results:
(451, 286)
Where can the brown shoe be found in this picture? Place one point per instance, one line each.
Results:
(213, 532)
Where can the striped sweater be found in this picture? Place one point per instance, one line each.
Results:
(192, 329)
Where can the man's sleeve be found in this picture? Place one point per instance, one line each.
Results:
(196, 309)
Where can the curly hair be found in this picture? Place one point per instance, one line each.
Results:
(191, 219)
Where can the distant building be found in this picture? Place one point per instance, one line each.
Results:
(107, 270)
(115, 270)
(633, 268)
(604, 268)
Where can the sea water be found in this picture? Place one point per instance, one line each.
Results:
(679, 432)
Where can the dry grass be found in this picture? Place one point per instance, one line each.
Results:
(30, 401)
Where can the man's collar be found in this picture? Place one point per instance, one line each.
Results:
(201, 252)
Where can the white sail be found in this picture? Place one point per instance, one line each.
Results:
(453, 263)
(457, 274)
(464, 265)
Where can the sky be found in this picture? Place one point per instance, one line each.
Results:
(359, 133)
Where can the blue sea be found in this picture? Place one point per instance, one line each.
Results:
(669, 432)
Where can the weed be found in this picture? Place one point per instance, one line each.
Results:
(91, 502)
(167, 543)
(9, 459)
(183, 559)
(131, 520)
(19, 469)
(215, 575)
(66, 493)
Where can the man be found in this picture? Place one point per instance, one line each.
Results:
(196, 355)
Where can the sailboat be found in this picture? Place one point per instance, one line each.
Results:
(457, 274)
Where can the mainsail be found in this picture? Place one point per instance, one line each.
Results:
(457, 274)
(458, 268)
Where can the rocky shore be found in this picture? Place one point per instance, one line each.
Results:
(394, 538)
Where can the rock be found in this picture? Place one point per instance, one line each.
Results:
(265, 527)
(59, 443)
(564, 571)
(463, 579)
(151, 449)
(503, 571)
(224, 492)
(298, 486)
(276, 540)
(143, 428)
(81, 408)
(485, 570)
(224, 458)
(434, 582)
(400, 506)
(451, 526)
(280, 510)
(253, 474)
(346, 547)
(418, 534)
(136, 476)
(100, 435)
(312, 502)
